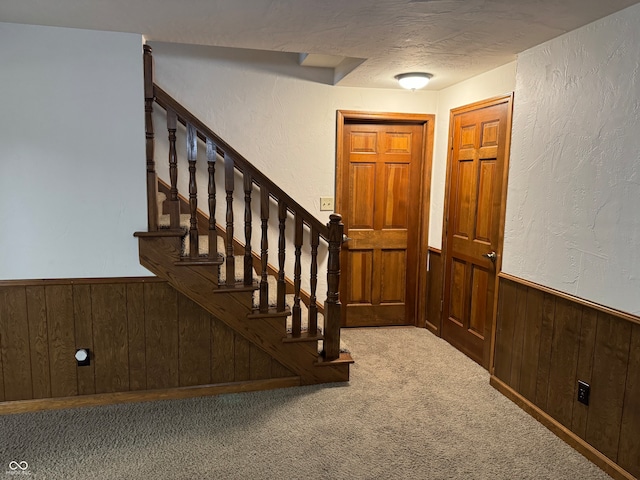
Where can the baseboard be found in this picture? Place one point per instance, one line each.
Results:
(25, 406)
(595, 456)
(432, 328)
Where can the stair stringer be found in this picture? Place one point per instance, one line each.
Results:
(159, 253)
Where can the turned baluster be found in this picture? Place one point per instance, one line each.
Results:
(313, 307)
(332, 307)
(152, 177)
(173, 204)
(228, 185)
(282, 287)
(213, 235)
(248, 259)
(297, 271)
(264, 246)
(192, 155)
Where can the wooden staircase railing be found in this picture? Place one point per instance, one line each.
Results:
(330, 235)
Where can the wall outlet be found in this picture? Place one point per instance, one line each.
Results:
(83, 357)
(584, 390)
(326, 204)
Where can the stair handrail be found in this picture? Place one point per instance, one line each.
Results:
(332, 233)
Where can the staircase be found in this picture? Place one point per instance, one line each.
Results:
(206, 262)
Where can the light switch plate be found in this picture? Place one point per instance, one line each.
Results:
(326, 204)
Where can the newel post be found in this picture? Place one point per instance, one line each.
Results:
(152, 178)
(332, 307)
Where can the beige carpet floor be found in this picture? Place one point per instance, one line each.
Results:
(415, 409)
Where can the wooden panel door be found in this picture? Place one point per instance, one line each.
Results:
(477, 165)
(381, 170)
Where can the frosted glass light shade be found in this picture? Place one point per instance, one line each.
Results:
(413, 80)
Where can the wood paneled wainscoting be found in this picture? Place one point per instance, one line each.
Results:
(147, 341)
(545, 342)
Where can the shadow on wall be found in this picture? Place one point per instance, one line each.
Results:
(280, 63)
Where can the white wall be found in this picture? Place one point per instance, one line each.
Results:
(487, 85)
(72, 155)
(279, 116)
(574, 182)
(72, 140)
(268, 109)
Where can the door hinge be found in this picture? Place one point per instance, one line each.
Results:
(441, 305)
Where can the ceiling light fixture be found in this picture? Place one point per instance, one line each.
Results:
(413, 80)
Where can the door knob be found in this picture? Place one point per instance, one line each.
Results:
(345, 239)
(491, 256)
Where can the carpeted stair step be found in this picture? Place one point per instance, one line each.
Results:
(203, 245)
(238, 262)
(164, 220)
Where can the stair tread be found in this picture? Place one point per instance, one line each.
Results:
(204, 261)
(272, 313)
(163, 232)
(238, 287)
(304, 337)
(344, 358)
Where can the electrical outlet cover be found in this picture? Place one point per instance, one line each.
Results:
(326, 204)
(584, 390)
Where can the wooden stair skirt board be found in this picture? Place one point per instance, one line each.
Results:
(159, 252)
(591, 453)
(24, 406)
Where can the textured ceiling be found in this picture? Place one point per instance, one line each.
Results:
(452, 39)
